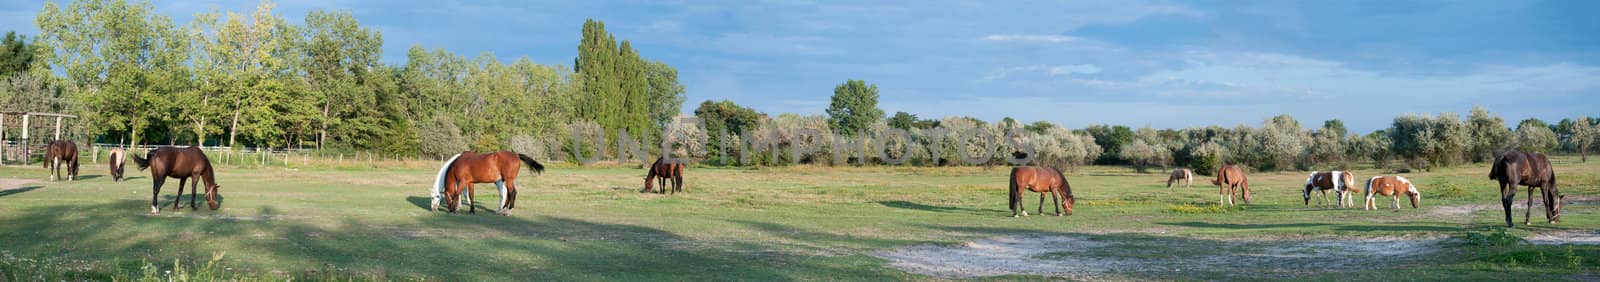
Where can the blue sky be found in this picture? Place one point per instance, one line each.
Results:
(1164, 64)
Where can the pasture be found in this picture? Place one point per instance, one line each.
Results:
(780, 223)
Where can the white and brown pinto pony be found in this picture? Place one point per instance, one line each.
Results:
(1182, 174)
(1338, 181)
(118, 157)
(1392, 186)
(468, 168)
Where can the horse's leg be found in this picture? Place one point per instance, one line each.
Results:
(1396, 198)
(1056, 198)
(194, 190)
(1506, 196)
(155, 194)
(472, 199)
(1529, 211)
(677, 182)
(1041, 203)
(176, 200)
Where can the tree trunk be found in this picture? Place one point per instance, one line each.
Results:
(322, 134)
(233, 130)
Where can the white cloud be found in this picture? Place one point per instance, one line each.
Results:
(1052, 38)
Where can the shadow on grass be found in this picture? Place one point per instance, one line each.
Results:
(1197, 224)
(922, 207)
(19, 190)
(454, 248)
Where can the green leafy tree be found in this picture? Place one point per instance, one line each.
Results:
(123, 61)
(1584, 136)
(1489, 133)
(1533, 135)
(337, 55)
(16, 55)
(247, 58)
(854, 107)
(724, 121)
(666, 94)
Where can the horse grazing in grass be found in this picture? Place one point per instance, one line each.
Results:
(469, 168)
(62, 152)
(1532, 170)
(117, 158)
(1182, 174)
(1045, 180)
(1392, 186)
(1338, 181)
(180, 163)
(666, 172)
(1229, 178)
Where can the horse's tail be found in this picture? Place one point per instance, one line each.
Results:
(438, 183)
(532, 164)
(1499, 167)
(143, 162)
(1012, 192)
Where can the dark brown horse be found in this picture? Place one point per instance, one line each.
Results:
(1532, 170)
(117, 157)
(180, 163)
(1183, 174)
(665, 171)
(500, 168)
(1045, 180)
(1229, 178)
(62, 152)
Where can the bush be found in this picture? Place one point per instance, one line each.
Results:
(440, 137)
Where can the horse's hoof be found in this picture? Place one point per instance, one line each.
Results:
(1058, 214)
(1014, 215)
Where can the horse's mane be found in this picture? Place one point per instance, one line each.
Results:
(1065, 186)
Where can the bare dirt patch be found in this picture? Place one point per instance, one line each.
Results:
(12, 183)
(1566, 237)
(1096, 257)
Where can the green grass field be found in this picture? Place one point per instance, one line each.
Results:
(786, 223)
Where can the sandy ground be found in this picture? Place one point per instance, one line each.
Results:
(12, 183)
(1081, 257)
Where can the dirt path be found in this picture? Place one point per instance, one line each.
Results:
(1086, 257)
(12, 183)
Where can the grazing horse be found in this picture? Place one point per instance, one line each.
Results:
(1392, 186)
(1045, 180)
(62, 152)
(1338, 181)
(180, 163)
(666, 172)
(469, 168)
(1182, 174)
(117, 158)
(1229, 178)
(1532, 170)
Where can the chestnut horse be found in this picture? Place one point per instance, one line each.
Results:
(469, 168)
(1182, 174)
(1532, 170)
(666, 172)
(1392, 186)
(180, 163)
(1338, 181)
(117, 158)
(62, 152)
(1229, 178)
(1045, 180)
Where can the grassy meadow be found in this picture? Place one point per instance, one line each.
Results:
(361, 222)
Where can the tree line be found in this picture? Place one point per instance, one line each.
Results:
(259, 80)
(256, 79)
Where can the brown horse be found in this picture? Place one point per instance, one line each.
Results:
(62, 152)
(117, 158)
(1532, 170)
(1045, 180)
(1338, 181)
(1392, 186)
(180, 163)
(1229, 178)
(1182, 174)
(666, 172)
(499, 168)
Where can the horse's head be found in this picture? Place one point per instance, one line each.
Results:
(212, 195)
(1067, 205)
(1416, 197)
(1307, 194)
(1552, 205)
